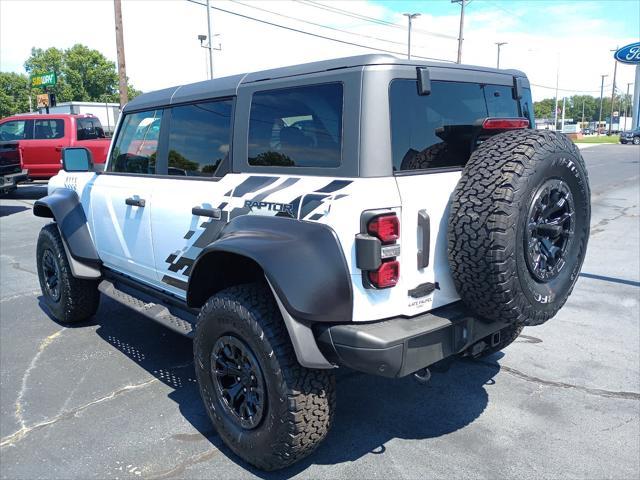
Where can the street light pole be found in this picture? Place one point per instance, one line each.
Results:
(601, 98)
(583, 102)
(410, 16)
(499, 44)
(210, 40)
(460, 38)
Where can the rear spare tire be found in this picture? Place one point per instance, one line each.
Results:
(519, 226)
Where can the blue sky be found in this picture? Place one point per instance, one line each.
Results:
(545, 39)
(622, 16)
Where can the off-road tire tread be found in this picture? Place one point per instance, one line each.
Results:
(483, 222)
(310, 393)
(80, 298)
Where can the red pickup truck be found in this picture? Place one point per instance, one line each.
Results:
(42, 138)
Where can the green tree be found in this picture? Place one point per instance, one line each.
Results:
(83, 74)
(544, 108)
(14, 93)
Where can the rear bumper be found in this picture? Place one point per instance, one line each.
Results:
(399, 346)
(8, 182)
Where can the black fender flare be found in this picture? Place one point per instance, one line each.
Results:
(303, 262)
(63, 205)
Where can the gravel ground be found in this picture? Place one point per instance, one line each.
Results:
(116, 397)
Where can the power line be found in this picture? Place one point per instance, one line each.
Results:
(320, 25)
(314, 34)
(358, 16)
(568, 89)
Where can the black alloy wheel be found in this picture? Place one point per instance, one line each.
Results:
(51, 272)
(239, 381)
(550, 229)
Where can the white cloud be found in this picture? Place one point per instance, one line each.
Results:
(162, 47)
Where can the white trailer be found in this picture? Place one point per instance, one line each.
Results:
(108, 113)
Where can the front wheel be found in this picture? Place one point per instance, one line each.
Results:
(636, 140)
(68, 299)
(266, 407)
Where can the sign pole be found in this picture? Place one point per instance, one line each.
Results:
(635, 122)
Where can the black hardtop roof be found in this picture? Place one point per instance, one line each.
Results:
(227, 86)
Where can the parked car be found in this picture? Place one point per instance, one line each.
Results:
(587, 131)
(630, 136)
(42, 138)
(11, 171)
(374, 213)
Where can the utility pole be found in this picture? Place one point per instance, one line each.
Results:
(460, 38)
(564, 103)
(555, 113)
(626, 106)
(601, 98)
(613, 91)
(410, 16)
(122, 69)
(583, 102)
(210, 40)
(499, 44)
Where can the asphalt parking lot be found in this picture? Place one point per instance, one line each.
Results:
(116, 397)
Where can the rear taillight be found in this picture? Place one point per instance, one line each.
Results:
(385, 227)
(505, 123)
(386, 275)
(377, 249)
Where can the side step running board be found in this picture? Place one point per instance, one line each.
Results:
(173, 317)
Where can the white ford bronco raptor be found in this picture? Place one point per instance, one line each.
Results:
(370, 212)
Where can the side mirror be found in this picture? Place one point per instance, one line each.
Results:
(76, 159)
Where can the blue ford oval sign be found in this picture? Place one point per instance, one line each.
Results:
(629, 54)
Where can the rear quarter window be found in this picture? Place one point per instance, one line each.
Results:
(436, 130)
(297, 127)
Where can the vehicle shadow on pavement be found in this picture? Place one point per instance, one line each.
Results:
(370, 412)
(6, 210)
(28, 191)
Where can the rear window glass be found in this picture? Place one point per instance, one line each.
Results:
(48, 129)
(436, 130)
(199, 138)
(136, 147)
(297, 127)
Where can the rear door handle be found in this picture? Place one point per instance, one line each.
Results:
(214, 213)
(59, 148)
(424, 224)
(135, 202)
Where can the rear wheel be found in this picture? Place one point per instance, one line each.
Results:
(67, 298)
(519, 226)
(266, 407)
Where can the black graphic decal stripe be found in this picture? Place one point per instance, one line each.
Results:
(310, 203)
(174, 282)
(287, 183)
(253, 184)
(316, 216)
(334, 186)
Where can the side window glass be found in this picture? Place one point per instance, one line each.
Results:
(297, 127)
(13, 130)
(199, 138)
(48, 129)
(136, 147)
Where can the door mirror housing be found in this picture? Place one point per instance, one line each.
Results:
(77, 159)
